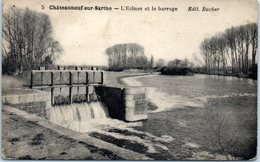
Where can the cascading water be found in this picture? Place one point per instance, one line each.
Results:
(78, 117)
(93, 117)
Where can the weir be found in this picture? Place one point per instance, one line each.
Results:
(78, 96)
(78, 116)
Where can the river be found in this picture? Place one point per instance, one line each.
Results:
(212, 112)
(198, 117)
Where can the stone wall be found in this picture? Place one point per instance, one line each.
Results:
(113, 98)
(38, 108)
(36, 102)
(128, 104)
(136, 103)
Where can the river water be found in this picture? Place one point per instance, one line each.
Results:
(192, 109)
(197, 117)
(172, 92)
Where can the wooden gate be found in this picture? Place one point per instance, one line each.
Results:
(68, 84)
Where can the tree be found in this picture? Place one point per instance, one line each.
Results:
(27, 40)
(253, 39)
(230, 49)
(126, 56)
(174, 63)
(160, 63)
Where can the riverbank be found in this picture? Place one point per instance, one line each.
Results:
(254, 77)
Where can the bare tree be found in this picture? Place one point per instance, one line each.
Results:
(230, 49)
(28, 41)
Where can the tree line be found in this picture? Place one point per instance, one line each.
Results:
(127, 56)
(232, 52)
(27, 40)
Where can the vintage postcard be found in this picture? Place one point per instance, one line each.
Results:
(129, 79)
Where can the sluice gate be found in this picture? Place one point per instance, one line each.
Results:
(73, 87)
(67, 86)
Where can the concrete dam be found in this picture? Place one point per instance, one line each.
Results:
(77, 98)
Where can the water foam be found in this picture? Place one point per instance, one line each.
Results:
(78, 116)
(230, 95)
(93, 117)
(166, 102)
(162, 100)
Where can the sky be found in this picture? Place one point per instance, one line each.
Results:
(85, 35)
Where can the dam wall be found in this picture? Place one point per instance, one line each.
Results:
(68, 87)
(32, 101)
(128, 104)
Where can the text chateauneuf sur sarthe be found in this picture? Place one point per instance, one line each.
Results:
(132, 8)
(108, 8)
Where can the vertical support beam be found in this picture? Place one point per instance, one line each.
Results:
(87, 93)
(41, 79)
(52, 78)
(52, 89)
(52, 96)
(70, 94)
(94, 77)
(102, 77)
(61, 78)
(32, 77)
(70, 88)
(87, 82)
(77, 77)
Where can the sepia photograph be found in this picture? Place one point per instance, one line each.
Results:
(129, 79)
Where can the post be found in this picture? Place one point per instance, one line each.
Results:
(87, 95)
(61, 78)
(41, 79)
(32, 74)
(77, 77)
(102, 77)
(52, 78)
(52, 96)
(87, 82)
(52, 89)
(93, 77)
(70, 88)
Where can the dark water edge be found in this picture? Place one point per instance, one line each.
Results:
(254, 76)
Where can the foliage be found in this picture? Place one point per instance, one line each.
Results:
(176, 71)
(177, 63)
(160, 63)
(27, 40)
(126, 56)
